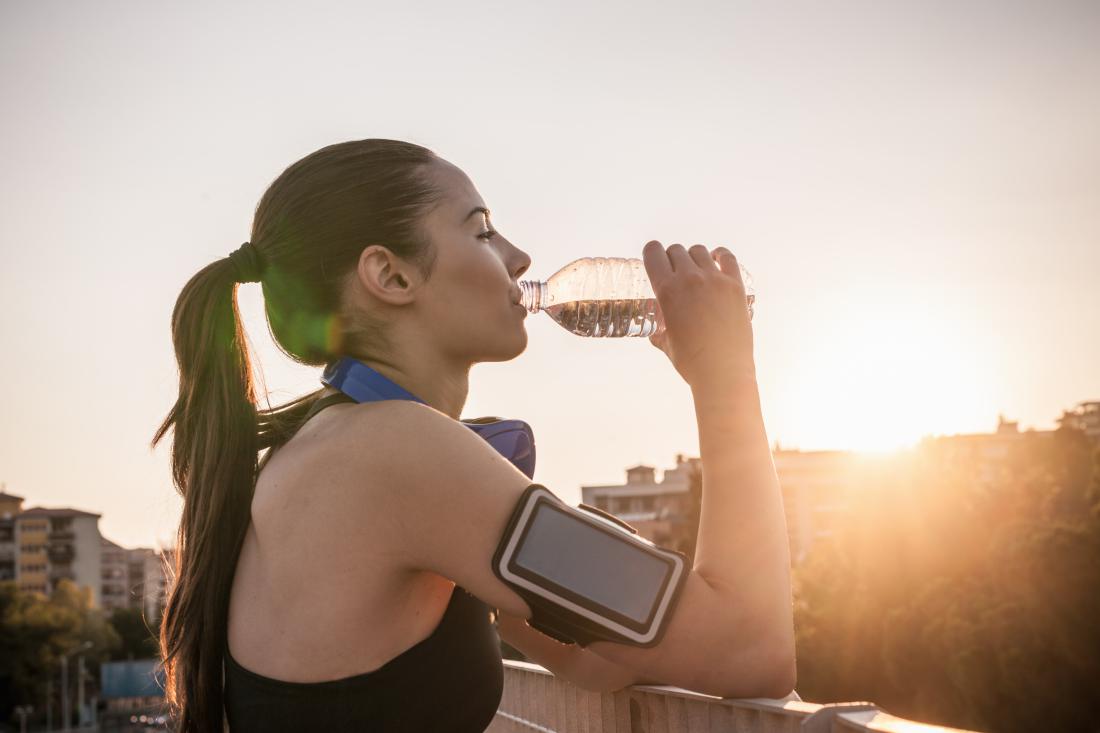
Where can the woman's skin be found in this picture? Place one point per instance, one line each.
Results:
(464, 314)
(335, 606)
(363, 523)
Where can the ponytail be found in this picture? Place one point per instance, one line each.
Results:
(307, 235)
(214, 465)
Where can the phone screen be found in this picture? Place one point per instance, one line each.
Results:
(591, 563)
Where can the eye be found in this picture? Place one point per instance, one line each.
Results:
(487, 235)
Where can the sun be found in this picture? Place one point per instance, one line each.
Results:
(885, 376)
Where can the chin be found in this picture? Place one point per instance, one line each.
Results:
(522, 344)
(518, 345)
(506, 349)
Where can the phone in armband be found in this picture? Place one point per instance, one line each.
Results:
(586, 575)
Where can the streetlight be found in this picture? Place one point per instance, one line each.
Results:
(66, 714)
(80, 676)
(23, 711)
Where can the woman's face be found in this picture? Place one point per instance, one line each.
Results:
(469, 304)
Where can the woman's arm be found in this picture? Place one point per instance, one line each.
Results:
(446, 508)
(742, 551)
(567, 661)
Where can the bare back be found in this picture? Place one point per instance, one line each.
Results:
(318, 594)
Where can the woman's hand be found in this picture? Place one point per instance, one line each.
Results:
(702, 313)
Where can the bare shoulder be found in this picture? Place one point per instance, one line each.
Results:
(338, 470)
(434, 495)
(405, 444)
(346, 440)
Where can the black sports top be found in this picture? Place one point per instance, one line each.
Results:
(450, 681)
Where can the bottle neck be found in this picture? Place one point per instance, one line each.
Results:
(533, 295)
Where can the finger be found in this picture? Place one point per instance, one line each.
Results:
(656, 262)
(702, 257)
(680, 259)
(658, 339)
(727, 263)
(659, 325)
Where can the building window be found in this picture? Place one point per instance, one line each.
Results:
(62, 524)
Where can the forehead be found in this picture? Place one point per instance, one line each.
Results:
(457, 194)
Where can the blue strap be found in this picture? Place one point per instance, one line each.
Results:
(363, 384)
(513, 439)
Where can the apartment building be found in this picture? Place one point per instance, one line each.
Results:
(661, 511)
(132, 578)
(982, 455)
(55, 545)
(816, 486)
(155, 573)
(813, 485)
(10, 506)
(1085, 417)
(115, 576)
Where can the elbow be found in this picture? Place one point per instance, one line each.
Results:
(781, 682)
(768, 671)
(779, 671)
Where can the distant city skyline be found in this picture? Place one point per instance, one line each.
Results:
(1085, 416)
(914, 187)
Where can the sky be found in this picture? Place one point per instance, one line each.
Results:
(915, 188)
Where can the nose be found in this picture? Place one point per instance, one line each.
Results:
(518, 261)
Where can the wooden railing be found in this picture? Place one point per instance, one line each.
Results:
(536, 701)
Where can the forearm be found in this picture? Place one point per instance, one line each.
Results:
(742, 547)
(567, 661)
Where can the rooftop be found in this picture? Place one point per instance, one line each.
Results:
(41, 511)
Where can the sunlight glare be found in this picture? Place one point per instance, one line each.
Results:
(885, 377)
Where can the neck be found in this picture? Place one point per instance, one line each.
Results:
(443, 387)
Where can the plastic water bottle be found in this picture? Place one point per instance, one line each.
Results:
(603, 296)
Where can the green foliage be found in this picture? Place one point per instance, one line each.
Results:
(35, 631)
(952, 596)
(138, 638)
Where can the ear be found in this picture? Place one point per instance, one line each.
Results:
(386, 276)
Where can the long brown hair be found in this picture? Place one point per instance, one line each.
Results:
(309, 230)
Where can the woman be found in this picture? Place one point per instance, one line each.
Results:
(344, 581)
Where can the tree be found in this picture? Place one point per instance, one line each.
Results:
(138, 638)
(948, 599)
(35, 631)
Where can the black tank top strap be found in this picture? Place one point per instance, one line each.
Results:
(327, 401)
(451, 681)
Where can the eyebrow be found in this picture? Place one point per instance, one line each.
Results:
(477, 210)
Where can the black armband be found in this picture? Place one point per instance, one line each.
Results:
(586, 575)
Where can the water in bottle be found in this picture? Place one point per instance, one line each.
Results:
(602, 296)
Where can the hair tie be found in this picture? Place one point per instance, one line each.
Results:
(247, 263)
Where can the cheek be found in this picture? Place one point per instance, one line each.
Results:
(472, 287)
(483, 280)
